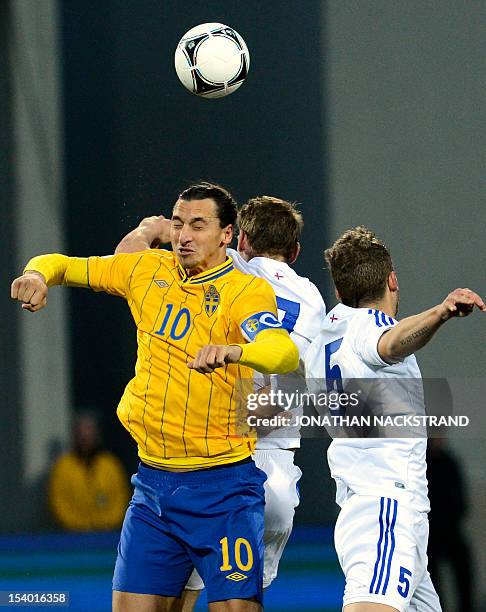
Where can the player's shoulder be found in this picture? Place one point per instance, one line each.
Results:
(373, 317)
(284, 278)
(66, 462)
(149, 259)
(146, 255)
(247, 289)
(245, 279)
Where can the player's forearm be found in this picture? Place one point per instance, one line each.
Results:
(273, 352)
(60, 270)
(410, 335)
(137, 240)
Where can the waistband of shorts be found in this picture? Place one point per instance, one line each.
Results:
(211, 474)
(285, 455)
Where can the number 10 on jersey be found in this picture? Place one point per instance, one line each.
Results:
(235, 554)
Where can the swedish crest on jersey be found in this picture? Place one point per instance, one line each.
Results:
(211, 300)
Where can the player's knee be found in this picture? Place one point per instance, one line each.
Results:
(137, 602)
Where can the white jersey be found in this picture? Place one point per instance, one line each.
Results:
(346, 348)
(301, 311)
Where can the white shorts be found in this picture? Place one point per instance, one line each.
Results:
(281, 499)
(382, 548)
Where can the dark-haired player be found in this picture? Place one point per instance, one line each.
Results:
(201, 324)
(268, 243)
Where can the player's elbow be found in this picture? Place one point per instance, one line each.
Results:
(293, 358)
(287, 358)
(390, 349)
(126, 245)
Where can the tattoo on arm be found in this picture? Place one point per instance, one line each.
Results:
(416, 334)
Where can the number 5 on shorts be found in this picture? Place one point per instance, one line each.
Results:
(404, 582)
(239, 542)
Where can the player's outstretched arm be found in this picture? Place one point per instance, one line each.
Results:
(151, 232)
(272, 352)
(412, 333)
(45, 271)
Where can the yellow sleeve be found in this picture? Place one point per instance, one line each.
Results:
(254, 299)
(60, 269)
(272, 352)
(112, 273)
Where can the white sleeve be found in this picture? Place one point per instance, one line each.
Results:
(301, 342)
(240, 263)
(366, 334)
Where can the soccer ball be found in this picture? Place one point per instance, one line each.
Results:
(212, 60)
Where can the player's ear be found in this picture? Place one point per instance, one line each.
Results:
(242, 242)
(227, 235)
(336, 293)
(295, 254)
(393, 281)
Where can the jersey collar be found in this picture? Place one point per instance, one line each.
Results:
(207, 275)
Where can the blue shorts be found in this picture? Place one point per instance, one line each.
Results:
(208, 519)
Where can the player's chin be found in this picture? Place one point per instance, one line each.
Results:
(187, 259)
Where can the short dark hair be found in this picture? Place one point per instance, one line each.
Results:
(360, 265)
(273, 226)
(225, 203)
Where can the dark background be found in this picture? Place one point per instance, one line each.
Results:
(134, 137)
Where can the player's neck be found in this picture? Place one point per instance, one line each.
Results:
(207, 265)
(383, 306)
(252, 254)
(275, 257)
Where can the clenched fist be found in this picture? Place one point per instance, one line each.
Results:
(31, 289)
(214, 356)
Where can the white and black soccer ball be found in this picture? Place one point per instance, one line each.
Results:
(212, 60)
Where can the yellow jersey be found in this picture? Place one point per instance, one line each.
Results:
(180, 418)
(88, 496)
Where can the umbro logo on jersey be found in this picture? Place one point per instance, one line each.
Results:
(236, 576)
(161, 283)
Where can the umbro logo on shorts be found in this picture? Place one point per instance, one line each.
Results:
(236, 576)
(161, 283)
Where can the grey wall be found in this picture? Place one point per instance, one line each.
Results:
(34, 370)
(37, 202)
(406, 120)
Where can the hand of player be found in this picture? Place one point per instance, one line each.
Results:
(460, 303)
(156, 229)
(31, 289)
(150, 233)
(214, 356)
